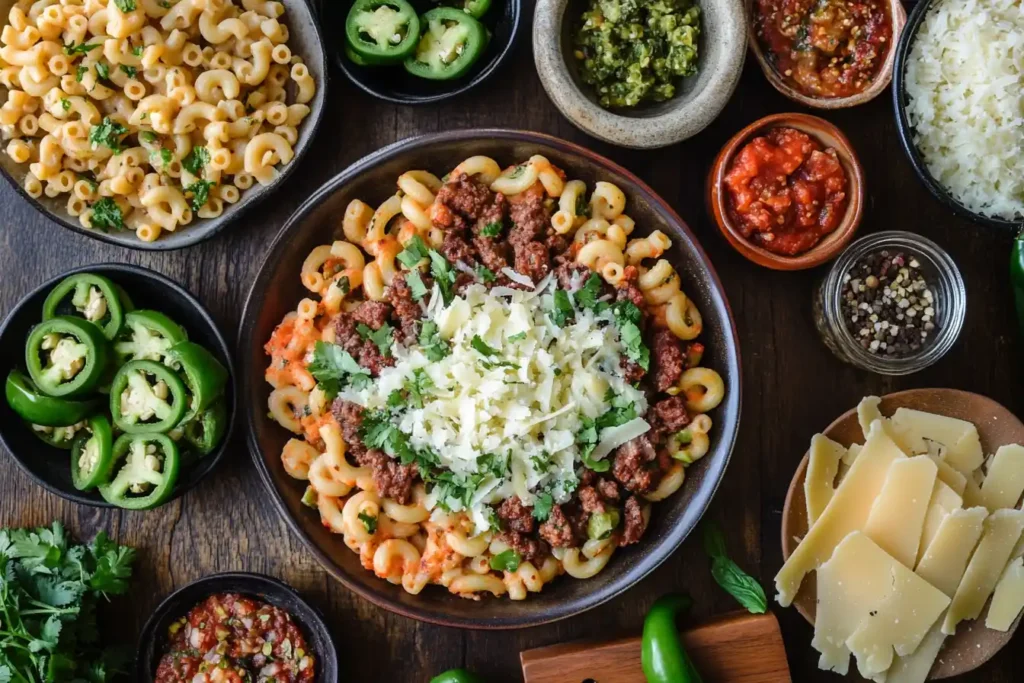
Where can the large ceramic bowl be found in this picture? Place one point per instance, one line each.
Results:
(277, 290)
(305, 41)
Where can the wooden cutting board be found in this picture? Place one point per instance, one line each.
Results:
(735, 648)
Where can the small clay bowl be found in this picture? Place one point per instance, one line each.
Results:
(833, 243)
(973, 644)
(899, 20)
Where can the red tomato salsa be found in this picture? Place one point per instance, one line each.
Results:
(825, 48)
(233, 639)
(784, 192)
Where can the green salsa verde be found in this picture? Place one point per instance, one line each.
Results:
(634, 51)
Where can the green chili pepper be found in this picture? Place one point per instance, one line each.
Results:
(662, 655)
(58, 437)
(93, 297)
(92, 455)
(602, 524)
(382, 31)
(476, 8)
(75, 352)
(206, 430)
(456, 676)
(451, 41)
(205, 376)
(141, 406)
(145, 476)
(148, 335)
(36, 407)
(1017, 276)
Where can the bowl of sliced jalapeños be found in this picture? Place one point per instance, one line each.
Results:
(118, 387)
(422, 51)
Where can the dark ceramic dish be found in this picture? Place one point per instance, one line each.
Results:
(906, 131)
(394, 84)
(277, 290)
(266, 588)
(51, 467)
(305, 41)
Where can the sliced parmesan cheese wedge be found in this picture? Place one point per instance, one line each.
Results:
(851, 454)
(847, 511)
(959, 437)
(819, 483)
(945, 561)
(1003, 529)
(943, 502)
(953, 478)
(897, 516)
(868, 412)
(972, 493)
(1004, 482)
(915, 667)
(614, 437)
(1008, 600)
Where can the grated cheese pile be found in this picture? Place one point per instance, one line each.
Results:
(964, 85)
(504, 408)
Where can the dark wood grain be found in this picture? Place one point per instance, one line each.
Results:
(793, 386)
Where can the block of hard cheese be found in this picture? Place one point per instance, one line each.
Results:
(1008, 600)
(1004, 482)
(819, 483)
(897, 516)
(847, 511)
(915, 667)
(959, 437)
(1003, 529)
(944, 500)
(945, 560)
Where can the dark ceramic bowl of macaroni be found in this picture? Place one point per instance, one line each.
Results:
(268, 610)
(278, 288)
(150, 297)
(304, 40)
(500, 26)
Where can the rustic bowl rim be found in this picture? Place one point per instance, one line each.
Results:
(662, 130)
(832, 244)
(207, 463)
(206, 228)
(906, 134)
(878, 85)
(646, 563)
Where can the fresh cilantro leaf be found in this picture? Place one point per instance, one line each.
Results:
(65, 104)
(518, 336)
(396, 399)
(147, 136)
(596, 465)
(106, 215)
(332, 366)
(166, 157)
(5, 674)
(130, 70)
(582, 207)
(414, 252)
(627, 311)
(434, 348)
(80, 49)
(88, 177)
(125, 5)
(113, 566)
(492, 229)
(416, 286)
(505, 561)
(418, 386)
(444, 275)
(485, 275)
(633, 340)
(493, 464)
(369, 522)
(103, 70)
(137, 50)
(481, 346)
(196, 160)
(343, 284)
(587, 295)
(563, 309)
(382, 337)
(736, 582)
(107, 133)
(517, 172)
(200, 193)
(542, 506)
(80, 72)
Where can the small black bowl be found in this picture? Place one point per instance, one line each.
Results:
(259, 586)
(906, 131)
(394, 84)
(51, 467)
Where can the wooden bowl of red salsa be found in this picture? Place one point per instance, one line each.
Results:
(787, 191)
(826, 54)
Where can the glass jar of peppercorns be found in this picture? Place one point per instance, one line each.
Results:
(893, 303)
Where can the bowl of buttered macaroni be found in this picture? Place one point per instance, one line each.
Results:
(153, 123)
(492, 379)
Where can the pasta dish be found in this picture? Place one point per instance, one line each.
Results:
(149, 113)
(491, 381)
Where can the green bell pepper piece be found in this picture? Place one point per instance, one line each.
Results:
(135, 401)
(93, 297)
(36, 407)
(92, 455)
(205, 376)
(662, 656)
(144, 479)
(76, 354)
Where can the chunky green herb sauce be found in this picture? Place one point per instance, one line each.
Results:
(634, 51)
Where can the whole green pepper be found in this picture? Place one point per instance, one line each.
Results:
(456, 676)
(662, 655)
(1017, 276)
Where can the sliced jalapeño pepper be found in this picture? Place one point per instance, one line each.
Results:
(145, 468)
(662, 656)
(450, 43)
(36, 407)
(456, 676)
(93, 297)
(382, 31)
(476, 8)
(204, 374)
(148, 335)
(146, 398)
(58, 437)
(66, 356)
(92, 454)
(206, 430)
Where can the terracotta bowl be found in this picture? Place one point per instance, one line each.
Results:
(829, 247)
(973, 644)
(277, 289)
(899, 20)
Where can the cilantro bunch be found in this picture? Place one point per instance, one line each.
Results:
(49, 588)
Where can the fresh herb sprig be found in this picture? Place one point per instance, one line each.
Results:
(736, 582)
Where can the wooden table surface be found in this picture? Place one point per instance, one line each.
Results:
(793, 386)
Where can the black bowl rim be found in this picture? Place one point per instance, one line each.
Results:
(313, 620)
(460, 88)
(196, 233)
(674, 538)
(214, 458)
(904, 129)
